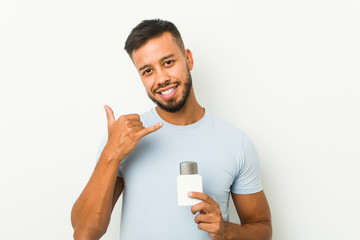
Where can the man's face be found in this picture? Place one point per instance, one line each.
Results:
(165, 71)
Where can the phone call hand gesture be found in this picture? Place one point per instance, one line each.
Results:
(124, 133)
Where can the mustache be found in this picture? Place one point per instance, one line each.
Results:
(165, 84)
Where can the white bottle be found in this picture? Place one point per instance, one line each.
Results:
(188, 181)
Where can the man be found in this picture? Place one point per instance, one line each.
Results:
(142, 155)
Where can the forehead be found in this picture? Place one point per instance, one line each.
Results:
(155, 49)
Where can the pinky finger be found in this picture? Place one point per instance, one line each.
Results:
(151, 129)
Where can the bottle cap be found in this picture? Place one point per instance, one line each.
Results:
(188, 168)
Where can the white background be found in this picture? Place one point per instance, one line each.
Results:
(285, 72)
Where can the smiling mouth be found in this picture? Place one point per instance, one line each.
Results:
(166, 88)
(167, 91)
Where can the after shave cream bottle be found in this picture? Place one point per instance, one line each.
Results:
(188, 181)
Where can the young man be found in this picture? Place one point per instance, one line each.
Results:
(142, 155)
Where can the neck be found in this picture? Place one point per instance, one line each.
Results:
(190, 113)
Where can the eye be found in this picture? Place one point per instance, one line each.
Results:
(146, 72)
(169, 63)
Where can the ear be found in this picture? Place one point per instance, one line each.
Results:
(189, 59)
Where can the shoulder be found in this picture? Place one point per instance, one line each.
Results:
(232, 138)
(228, 136)
(226, 130)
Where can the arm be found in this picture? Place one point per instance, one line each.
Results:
(255, 217)
(90, 215)
(91, 212)
(253, 210)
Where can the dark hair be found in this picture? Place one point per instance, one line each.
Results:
(149, 29)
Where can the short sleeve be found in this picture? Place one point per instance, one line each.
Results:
(101, 148)
(248, 179)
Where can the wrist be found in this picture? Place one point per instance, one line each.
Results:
(111, 155)
(230, 230)
(225, 226)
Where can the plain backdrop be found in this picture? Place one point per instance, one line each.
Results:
(285, 72)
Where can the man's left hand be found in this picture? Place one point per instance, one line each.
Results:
(209, 218)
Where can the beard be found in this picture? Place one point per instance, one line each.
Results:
(172, 105)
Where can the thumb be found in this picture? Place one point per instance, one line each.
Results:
(109, 115)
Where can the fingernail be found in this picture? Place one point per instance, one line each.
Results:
(190, 194)
(160, 124)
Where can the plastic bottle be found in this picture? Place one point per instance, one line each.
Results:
(188, 181)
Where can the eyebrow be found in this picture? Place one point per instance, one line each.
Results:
(161, 59)
(166, 57)
(143, 67)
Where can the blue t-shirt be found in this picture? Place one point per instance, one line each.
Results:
(227, 161)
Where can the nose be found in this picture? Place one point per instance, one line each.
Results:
(162, 77)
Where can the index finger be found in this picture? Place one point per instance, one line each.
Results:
(132, 117)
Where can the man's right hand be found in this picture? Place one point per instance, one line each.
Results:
(124, 133)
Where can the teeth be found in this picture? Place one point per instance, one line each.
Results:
(167, 91)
